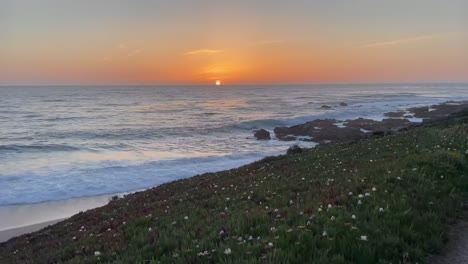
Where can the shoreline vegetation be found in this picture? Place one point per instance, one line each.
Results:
(385, 198)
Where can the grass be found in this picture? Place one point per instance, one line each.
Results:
(381, 200)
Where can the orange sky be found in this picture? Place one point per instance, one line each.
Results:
(199, 42)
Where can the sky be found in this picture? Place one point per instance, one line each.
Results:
(88, 42)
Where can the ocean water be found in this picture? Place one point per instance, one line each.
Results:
(58, 143)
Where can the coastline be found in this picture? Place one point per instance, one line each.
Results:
(22, 219)
(285, 192)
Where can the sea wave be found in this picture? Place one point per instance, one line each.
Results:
(85, 181)
(37, 148)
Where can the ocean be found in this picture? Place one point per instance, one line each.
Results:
(58, 143)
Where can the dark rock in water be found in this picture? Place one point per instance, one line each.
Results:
(438, 111)
(408, 116)
(455, 118)
(288, 138)
(325, 131)
(394, 114)
(321, 130)
(294, 150)
(262, 134)
(384, 125)
(325, 107)
(343, 104)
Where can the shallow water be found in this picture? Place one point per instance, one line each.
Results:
(63, 142)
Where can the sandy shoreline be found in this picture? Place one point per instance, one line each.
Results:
(21, 219)
(5, 235)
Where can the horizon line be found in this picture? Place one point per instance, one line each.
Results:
(246, 84)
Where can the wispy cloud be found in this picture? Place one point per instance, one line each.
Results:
(203, 51)
(404, 40)
(267, 42)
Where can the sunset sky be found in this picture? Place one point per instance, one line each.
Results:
(238, 42)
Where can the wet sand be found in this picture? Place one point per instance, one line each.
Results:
(5, 235)
(16, 220)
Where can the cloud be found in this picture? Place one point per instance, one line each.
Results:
(267, 42)
(203, 51)
(403, 41)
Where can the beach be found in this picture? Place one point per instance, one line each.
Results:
(21, 219)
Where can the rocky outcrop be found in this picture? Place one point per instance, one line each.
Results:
(332, 130)
(395, 114)
(262, 134)
(327, 107)
(384, 125)
(438, 111)
(294, 150)
(321, 130)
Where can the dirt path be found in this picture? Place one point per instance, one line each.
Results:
(456, 250)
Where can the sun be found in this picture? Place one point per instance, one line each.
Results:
(218, 83)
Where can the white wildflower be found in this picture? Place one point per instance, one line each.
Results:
(227, 251)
